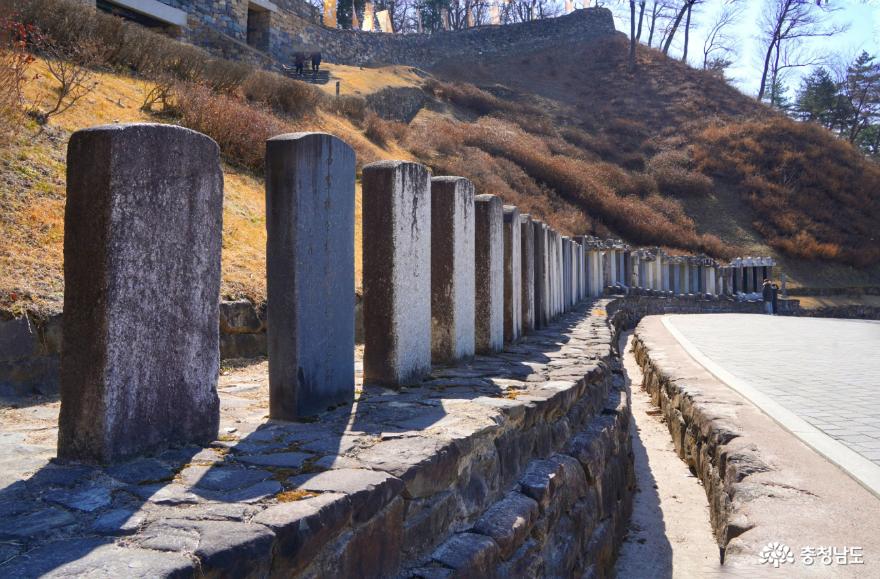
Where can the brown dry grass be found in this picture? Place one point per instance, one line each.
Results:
(673, 140)
(32, 194)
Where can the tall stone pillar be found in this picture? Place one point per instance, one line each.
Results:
(598, 272)
(142, 238)
(397, 272)
(656, 274)
(527, 270)
(566, 272)
(512, 275)
(489, 238)
(556, 278)
(664, 274)
(676, 278)
(580, 272)
(309, 273)
(612, 266)
(542, 275)
(453, 275)
(711, 286)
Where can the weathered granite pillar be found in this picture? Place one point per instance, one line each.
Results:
(554, 271)
(142, 237)
(452, 269)
(542, 275)
(397, 272)
(309, 273)
(664, 274)
(553, 251)
(598, 272)
(527, 270)
(489, 264)
(560, 257)
(576, 271)
(676, 278)
(612, 263)
(711, 286)
(783, 288)
(512, 275)
(566, 272)
(686, 276)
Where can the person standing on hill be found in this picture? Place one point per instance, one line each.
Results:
(299, 61)
(767, 294)
(316, 62)
(775, 298)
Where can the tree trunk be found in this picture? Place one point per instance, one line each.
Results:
(641, 16)
(774, 40)
(632, 35)
(675, 24)
(687, 34)
(654, 13)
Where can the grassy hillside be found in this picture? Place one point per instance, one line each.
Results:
(667, 156)
(755, 180)
(32, 193)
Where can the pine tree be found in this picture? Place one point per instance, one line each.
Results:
(862, 91)
(777, 96)
(818, 99)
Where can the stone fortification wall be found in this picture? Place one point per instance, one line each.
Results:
(222, 27)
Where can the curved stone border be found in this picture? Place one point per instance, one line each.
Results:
(860, 468)
(762, 483)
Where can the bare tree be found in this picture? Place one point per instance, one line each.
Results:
(786, 24)
(718, 45)
(659, 11)
(641, 19)
(682, 11)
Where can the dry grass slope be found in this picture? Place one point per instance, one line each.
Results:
(668, 156)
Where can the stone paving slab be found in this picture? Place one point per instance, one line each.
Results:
(763, 484)
(825, 371)
(270, 493)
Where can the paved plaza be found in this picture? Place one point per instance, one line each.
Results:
(824, 371)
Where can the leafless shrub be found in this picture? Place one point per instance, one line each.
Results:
(281, 94)
(14, 63)
(69, 66)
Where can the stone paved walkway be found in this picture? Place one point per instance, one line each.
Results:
(825, 371)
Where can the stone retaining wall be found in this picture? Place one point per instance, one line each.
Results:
(511, 465)
(699, 438)
(517, 464)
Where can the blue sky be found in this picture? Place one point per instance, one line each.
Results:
(861, 16)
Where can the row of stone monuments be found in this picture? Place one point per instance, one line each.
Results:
(447, 274)
(615, 264)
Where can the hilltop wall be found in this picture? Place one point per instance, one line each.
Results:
(246, 30)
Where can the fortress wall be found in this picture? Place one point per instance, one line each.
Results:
(222, 27)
